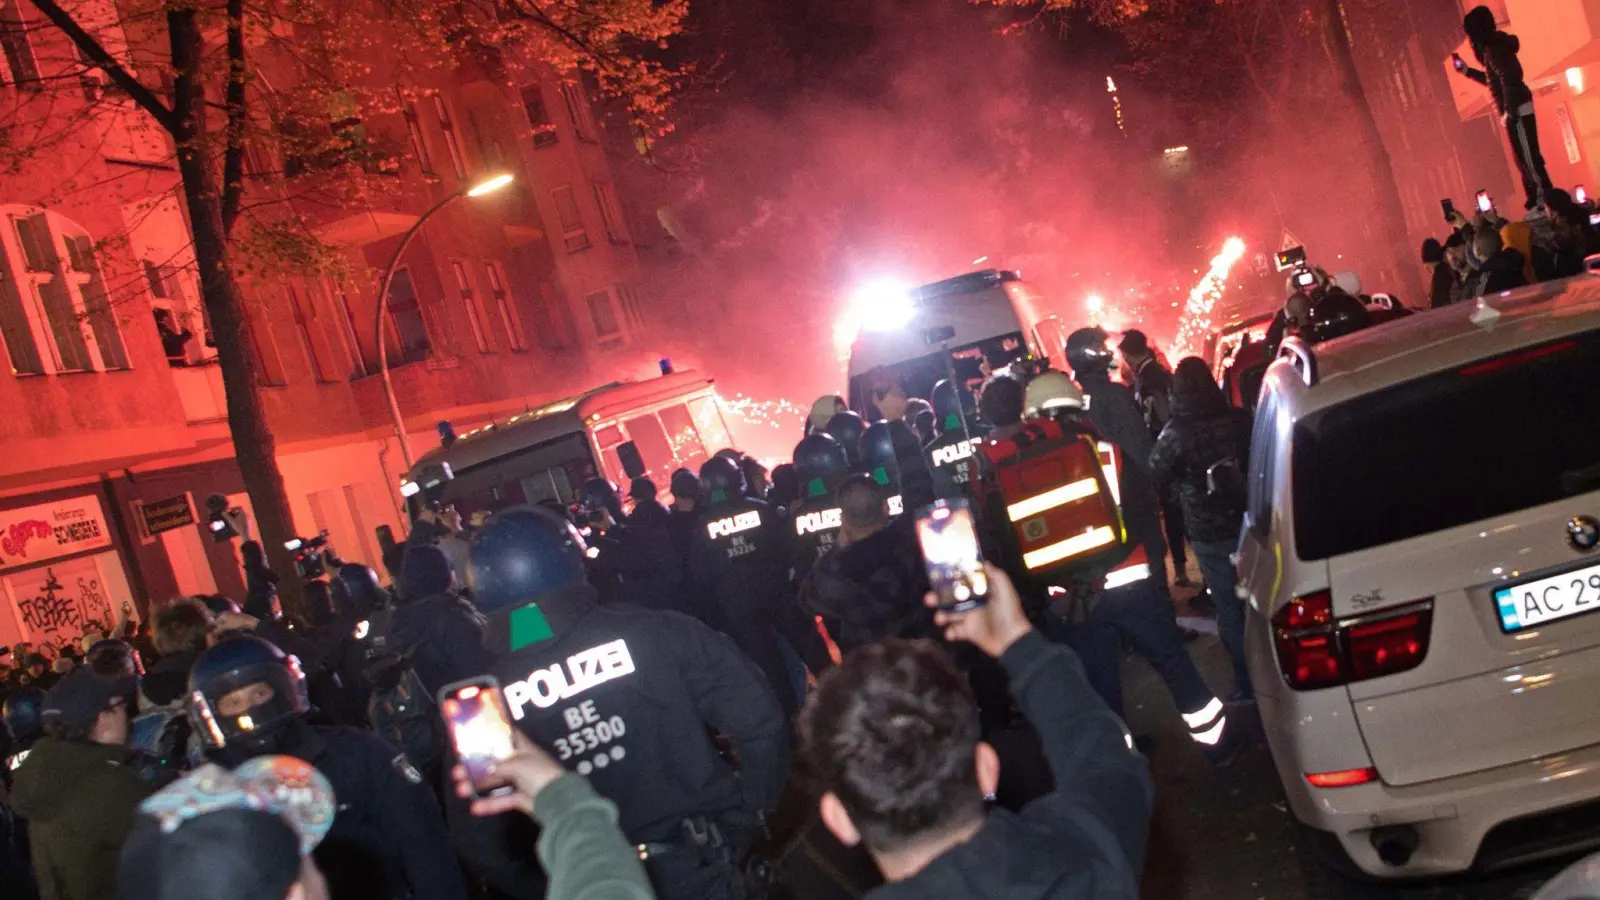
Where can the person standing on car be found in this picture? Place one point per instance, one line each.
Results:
(1201, 454)
(1502, 73)
(1152, 386)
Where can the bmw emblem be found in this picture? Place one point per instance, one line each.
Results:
(1583, 532)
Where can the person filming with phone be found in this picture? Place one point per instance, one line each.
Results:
(625, 696)
(892, 736)
(1502, 74)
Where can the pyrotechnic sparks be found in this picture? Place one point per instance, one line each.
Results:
(1194, 322)
(779, 413)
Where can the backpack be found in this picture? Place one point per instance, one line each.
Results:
(1225, 483)
(1053, 502)
(401, 709)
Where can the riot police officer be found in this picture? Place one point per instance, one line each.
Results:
(739, 555)
(627, 697)
(846, 428)
(388, 840)
(820, 464)
(953, 456)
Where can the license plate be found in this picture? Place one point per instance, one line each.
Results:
(1534, 603)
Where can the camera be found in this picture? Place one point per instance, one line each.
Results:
(218, 513)
(310, 555)
(1304, 278)
(1291, 258)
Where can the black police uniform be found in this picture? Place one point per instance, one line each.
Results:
(820, 464)
(629, 697)
(953, 455)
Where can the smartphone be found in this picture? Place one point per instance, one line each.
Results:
(1484, 203)
(949, 538)
(1449, 207)
(1458, 62)
(475, 712)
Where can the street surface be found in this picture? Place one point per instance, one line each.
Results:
(1227, 835)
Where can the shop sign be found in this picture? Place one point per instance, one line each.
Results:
(36, 534)
(166, 515)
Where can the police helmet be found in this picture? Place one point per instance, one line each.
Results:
(1335, 315)
(846, 428)
(915, 407)
(950, 405)
(820, 463)
(1051, 391)
(219, 604)
(597, 494)
(23, 714)
(722, 479)
(522, 554)
(785, 485)
(1087, 352)
(233, 665)
(685, 485)
(356, 590)
(877, 453)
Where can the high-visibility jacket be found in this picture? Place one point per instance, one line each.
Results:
(1054, 503)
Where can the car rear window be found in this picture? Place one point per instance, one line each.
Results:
(1484, 440)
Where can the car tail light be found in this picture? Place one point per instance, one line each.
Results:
(1342, 778)
(1316, 650)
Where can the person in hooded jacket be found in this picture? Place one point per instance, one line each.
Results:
(1500, 268)
(442, 630)
(1202, 453)
(1502, 74)
(81, 785)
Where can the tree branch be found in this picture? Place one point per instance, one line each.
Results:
(116, 71)
(233, 155)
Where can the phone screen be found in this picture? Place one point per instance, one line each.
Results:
(949, 540)
(480, 728)
(1459, 63)
(1484, 203)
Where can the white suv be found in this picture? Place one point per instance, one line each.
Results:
(1416, 562)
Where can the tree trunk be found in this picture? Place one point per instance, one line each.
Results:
(253, 443)
(1391, 216)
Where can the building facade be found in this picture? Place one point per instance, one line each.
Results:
(114, 423)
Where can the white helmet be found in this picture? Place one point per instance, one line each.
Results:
(1349, 282)
(1051, 391)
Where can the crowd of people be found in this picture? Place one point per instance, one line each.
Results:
(667, 669)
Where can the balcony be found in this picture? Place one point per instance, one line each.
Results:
(200, 392)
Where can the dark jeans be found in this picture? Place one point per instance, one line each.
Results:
(1172, 518)
(1221, 580)
(1140, 615)
(1521, 130)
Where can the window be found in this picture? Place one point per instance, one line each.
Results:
(318, 351)
(507, 306)
(604, 316)
(347, 320)
(687, 448)
(419, 143)
(646, 434)
(452, 143)
(1263, 458)
(20, 346)
(573, 234)
(405, 315)
(469, 301)
(55, 298)
(578, 110)
(544, 127)
(1425, 432)
(632, 312)
(605, 196)
(269, 365)
(21, 64)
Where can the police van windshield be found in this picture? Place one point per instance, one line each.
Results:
(551, 470)
(973, 363)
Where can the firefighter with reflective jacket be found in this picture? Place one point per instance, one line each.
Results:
(628, 698)
(953, 455)
(739, 554)
(820, 464)
(1131, 602)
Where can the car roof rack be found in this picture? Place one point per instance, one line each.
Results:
(1302, 357)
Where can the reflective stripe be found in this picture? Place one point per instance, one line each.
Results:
(897, 505)
(1127, 576)
(1072, 546)
(1206, 714)
(1038, 503)
(1211, 735)
(1108, 450)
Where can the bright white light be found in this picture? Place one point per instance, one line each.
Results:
(490, 185)
(1575, 79)
(1174, 151)
(1111, 86)
(883, 305)
(1095, 303)
(1194, 322)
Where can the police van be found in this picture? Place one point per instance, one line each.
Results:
(972, 324)
(546, 454)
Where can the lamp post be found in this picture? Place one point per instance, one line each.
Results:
(487, 186)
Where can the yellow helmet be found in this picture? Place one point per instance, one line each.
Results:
(1051, 391)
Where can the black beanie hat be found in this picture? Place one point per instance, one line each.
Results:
(426, 571)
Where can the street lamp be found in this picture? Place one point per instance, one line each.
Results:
(487, 186)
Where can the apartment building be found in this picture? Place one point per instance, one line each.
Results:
(114, 427)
